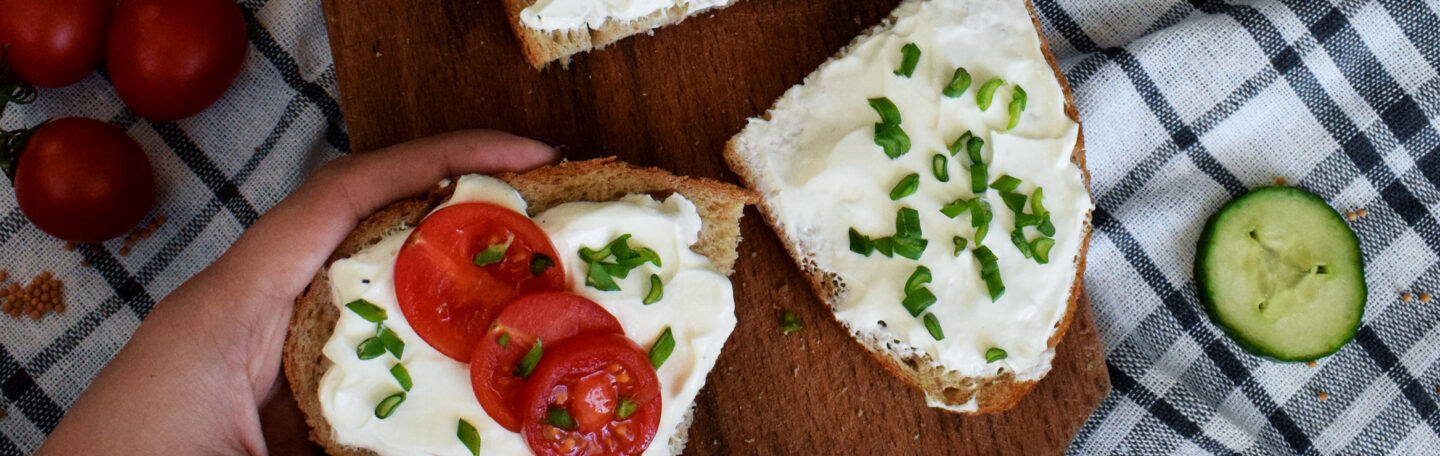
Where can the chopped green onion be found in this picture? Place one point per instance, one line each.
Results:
(402, 376)
(620, 247)
(889, 114)
(662, 348)
(860, 243)
(959, 143)
(1041, 248)
(626, 408)
(958, 83)
(986, 94)
(892, 138)
(995, 286)
(643, 255)
(615, 270)
(960, 244)
(1017, 105)
(599, 278)
(978, 172)
(910, 248)
(590, 256)
(980, 233)
(503, 341)
(1005, 183)
(1014, 201)
(1017, 237)
(370, 349)
(989, 263)
(917, 279)
(932, 324)
(1036, 205)
(1024, 220)
(886, 246)
(493, 254)
(973, 149)
(1046, 228)
(392, 342)
(955, 208)
(906, 187)
(907, 223)
(532, 357)
(907, 63)
(980, 214)
(539, 263)
(469, 436)
(917, 302)
(560, 418)
(995, 354)
(657, 290)
(790, 323)
(940, 165)
(370, 312)
(388, 404)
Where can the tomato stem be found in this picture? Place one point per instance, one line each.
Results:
(13, 90)
(12, 143)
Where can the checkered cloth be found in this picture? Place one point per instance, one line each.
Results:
(215, 172)
(1189, 104)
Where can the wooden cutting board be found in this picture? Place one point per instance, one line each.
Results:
(413, 68)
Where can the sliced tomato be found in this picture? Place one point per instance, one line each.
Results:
(550, 316)
(572, 402)
(450, 300)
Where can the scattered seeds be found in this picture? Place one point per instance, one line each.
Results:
(1362, 213)
(1324, 396)
(69, 246)
(1405, 297)
(1279, 181)
(44, 294)
(1310, 364)
(1350, 216)
(1424, 297)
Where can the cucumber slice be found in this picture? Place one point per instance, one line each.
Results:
(1281, 273)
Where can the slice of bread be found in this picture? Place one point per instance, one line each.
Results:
(544, 46)
(720, 207)
(744, 154)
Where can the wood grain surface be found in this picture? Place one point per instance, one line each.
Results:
(413, 68)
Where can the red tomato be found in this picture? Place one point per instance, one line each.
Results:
(552, 317)
(171, 59)
(588, 378)
(450, 301)
(83, 180)
(54, 43)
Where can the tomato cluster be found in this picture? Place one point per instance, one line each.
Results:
(82, 180)
(544, 362)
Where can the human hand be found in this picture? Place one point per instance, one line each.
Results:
(195, 373)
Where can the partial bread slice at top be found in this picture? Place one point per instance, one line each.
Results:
(544, 46)
(720, 207)
(745, 153)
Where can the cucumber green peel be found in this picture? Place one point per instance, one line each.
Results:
(1281, 273)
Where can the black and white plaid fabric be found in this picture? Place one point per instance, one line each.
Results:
(216, 173)
(1189, 104)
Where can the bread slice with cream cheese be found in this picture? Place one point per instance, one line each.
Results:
(824, 124)
(561, 37)
(719, 205)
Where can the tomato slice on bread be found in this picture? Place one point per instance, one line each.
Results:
(463, 264)
(594, 394)
(549, 316)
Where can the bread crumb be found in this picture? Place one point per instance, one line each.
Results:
(1424, 297)
(1350, 216)
(1405, 297)
(1324, 396)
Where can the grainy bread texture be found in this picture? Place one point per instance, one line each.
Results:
(720, 207)
(543, 46)
(993, 394)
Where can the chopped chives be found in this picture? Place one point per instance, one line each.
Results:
(1014, 201)
(906, 187)
(886, 246)
(1037, 206)
(995, 286)
(626, 408)
(560, 418)
(986, 94)
(662, 348)
(532, 357)
(657, 290)
(917, 279)
(367, 310)
(392, 342)
(493, 254)
(402, 376)
(907, 223)
(917, 302)
(370, 349)
(503, 341)
(1024, 220)
(960, 244)
(539, 263)
(1005, 183)
(599, 278)
(995, 354)
(469, 436)
(989, 263)
(1017, 237)
(978, 172)
(959, 143)
(860, 243)
(910, 58)
(980, 233)
(910, 248)
(892, 138)
(1046, 228)
(940, 165)
(889, 114)
(790, 323)
(973, 149)
(932, 325)
(1017, 105)
(955, 208)
(388, 404)
(958, 83)
(1041, 248)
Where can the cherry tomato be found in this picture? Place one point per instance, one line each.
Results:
(171, 59)
(83, 180)
(572, 404)
(54, 43)
(446, 297)
(550, 316)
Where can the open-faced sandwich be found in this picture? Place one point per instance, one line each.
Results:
(551, 30)
(575, 309)
(930, 181)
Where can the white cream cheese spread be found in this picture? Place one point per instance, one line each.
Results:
(591, 14)
(829, 176)
(698, 307)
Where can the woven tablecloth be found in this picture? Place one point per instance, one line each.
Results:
(1185, 105)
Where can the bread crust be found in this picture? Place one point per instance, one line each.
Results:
(991, 395)
(720, 206)
(542, 47)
